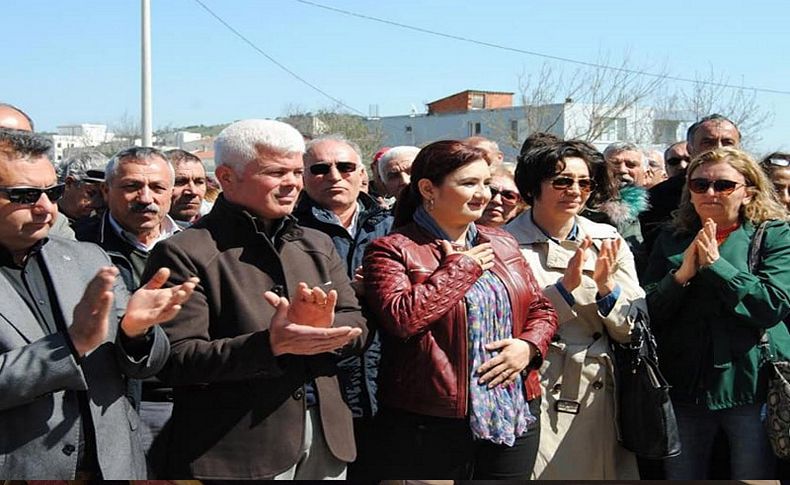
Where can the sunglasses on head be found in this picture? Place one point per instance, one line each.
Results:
(508, 196)
(701, 185)
(565, 183)
(677, 160)
(778, 162)
(30, 195)
(324, 168)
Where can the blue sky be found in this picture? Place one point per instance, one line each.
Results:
(79, 61)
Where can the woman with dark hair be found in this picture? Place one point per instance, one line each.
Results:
(463, 328)
(711, 309)
(777, 167)
(587, 271)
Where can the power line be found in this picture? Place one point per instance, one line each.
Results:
(275, 61)
(539, 54)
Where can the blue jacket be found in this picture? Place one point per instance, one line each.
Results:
(358, 374)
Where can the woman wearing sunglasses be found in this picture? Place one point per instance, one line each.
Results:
(777, 166)
(587, 271)
(505, 203)
(463, 327)
(709, 311)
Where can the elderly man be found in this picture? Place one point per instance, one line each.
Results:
(394, 168)
(334, 204)
(656, 169)
(82, 174)
(627, 163)
(254, 354)
(490, 147)
(69, 335)
(189, 192)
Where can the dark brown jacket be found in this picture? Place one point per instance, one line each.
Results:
(239, 410)
(418, 296)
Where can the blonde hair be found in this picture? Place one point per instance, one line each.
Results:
(764, 205)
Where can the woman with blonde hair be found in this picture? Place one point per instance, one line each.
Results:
(710, 310)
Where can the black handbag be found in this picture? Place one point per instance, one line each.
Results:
(646, 418)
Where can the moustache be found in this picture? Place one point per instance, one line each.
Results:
(143, 208)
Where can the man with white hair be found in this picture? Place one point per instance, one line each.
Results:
(82, 174)
(254, 353)
(490, 147)
(394, 168)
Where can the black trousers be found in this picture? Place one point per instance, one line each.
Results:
(426, 447)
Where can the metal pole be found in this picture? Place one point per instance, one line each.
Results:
(146, 72)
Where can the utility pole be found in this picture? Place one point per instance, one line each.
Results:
(147, 124)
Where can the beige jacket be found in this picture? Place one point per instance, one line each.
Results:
(578, 372)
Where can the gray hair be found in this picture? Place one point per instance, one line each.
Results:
(337, 137)
(23, 144)
(178, 156)
(242, 142)
(396, 152)
(77, 165)
(135, 154)
(625, 146)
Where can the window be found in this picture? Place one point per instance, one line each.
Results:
(612, 129)
(478, 100)
(474, 128)
(408, 128)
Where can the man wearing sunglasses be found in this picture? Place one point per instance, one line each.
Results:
(70, 334)
(334, 204)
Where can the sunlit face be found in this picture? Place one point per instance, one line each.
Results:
(397, 174)
(22, 225)
(628, 167)
(567, 202)
(462, 196)
(268, 186)
(780, 177)
(336, 189)
(139, 194)
(722, 208)
(188, 191)
(714, 134)
(503, 204)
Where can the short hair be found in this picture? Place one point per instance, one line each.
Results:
(434, 162)
(624, 146)
(396, 152)
(23, 144)
(538, 139)
(546, 162)
(670, 147)
(692, 130)
(764, 205)
(28, 118)
(178, 156)
(78, 164)
(336, 137)
(135, 154)
(769, 167)
(243, 141)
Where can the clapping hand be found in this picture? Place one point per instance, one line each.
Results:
(573, 273)
(606, 266)
(313, 307)
(706, 244)
(152, 304)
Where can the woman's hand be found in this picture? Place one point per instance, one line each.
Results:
(706, 244)
(482, 253)
(503, 369)
(573, 273)
(689, 266)
(605, 266)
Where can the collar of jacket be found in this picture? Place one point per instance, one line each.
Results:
(527, 233)
(371, 213)
(236, 219)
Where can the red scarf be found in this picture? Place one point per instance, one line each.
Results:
(721, 234)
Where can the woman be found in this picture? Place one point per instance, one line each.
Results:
(463, 328)
(505, 203)
(777, 166)
(587, 271)
(709, 311)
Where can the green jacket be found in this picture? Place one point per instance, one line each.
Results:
(708, 331)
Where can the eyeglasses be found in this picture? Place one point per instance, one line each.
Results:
(324, 168)
(677, 160)
(508, 196)
(30, 195)
(778, 162)
(701, 185)
(565, 183)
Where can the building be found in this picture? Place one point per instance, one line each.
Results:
(77, 136)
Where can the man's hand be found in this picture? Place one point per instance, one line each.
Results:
(287, 337)
(152, 304)
(91, 315)
(313, 307)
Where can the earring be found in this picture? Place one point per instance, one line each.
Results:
(430, 205)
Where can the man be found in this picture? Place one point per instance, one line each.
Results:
(676, 158)
(69, 335)
(627, 163)
(14, 118)
(711, 132)
(333, 204)
(490, 147)
(656, 170)
(189, 191)
(253, 358)
(82, 174)
(394, 168)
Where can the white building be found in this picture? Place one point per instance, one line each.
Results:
(77, 136)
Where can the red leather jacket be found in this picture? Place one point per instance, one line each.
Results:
(419, 299)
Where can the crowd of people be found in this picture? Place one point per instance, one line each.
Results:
(450, 315)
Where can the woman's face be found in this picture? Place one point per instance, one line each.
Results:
(720, 206)
(462, 196)
(567, 201)
(781, 179)
(504, 202)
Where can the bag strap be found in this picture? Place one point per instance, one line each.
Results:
(753, 259)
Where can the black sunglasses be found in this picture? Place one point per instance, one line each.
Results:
(30, 195)
(564, 183)
(701, 185)
(508, 196)
(778, 162)
(324, 168)
(676, 160)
